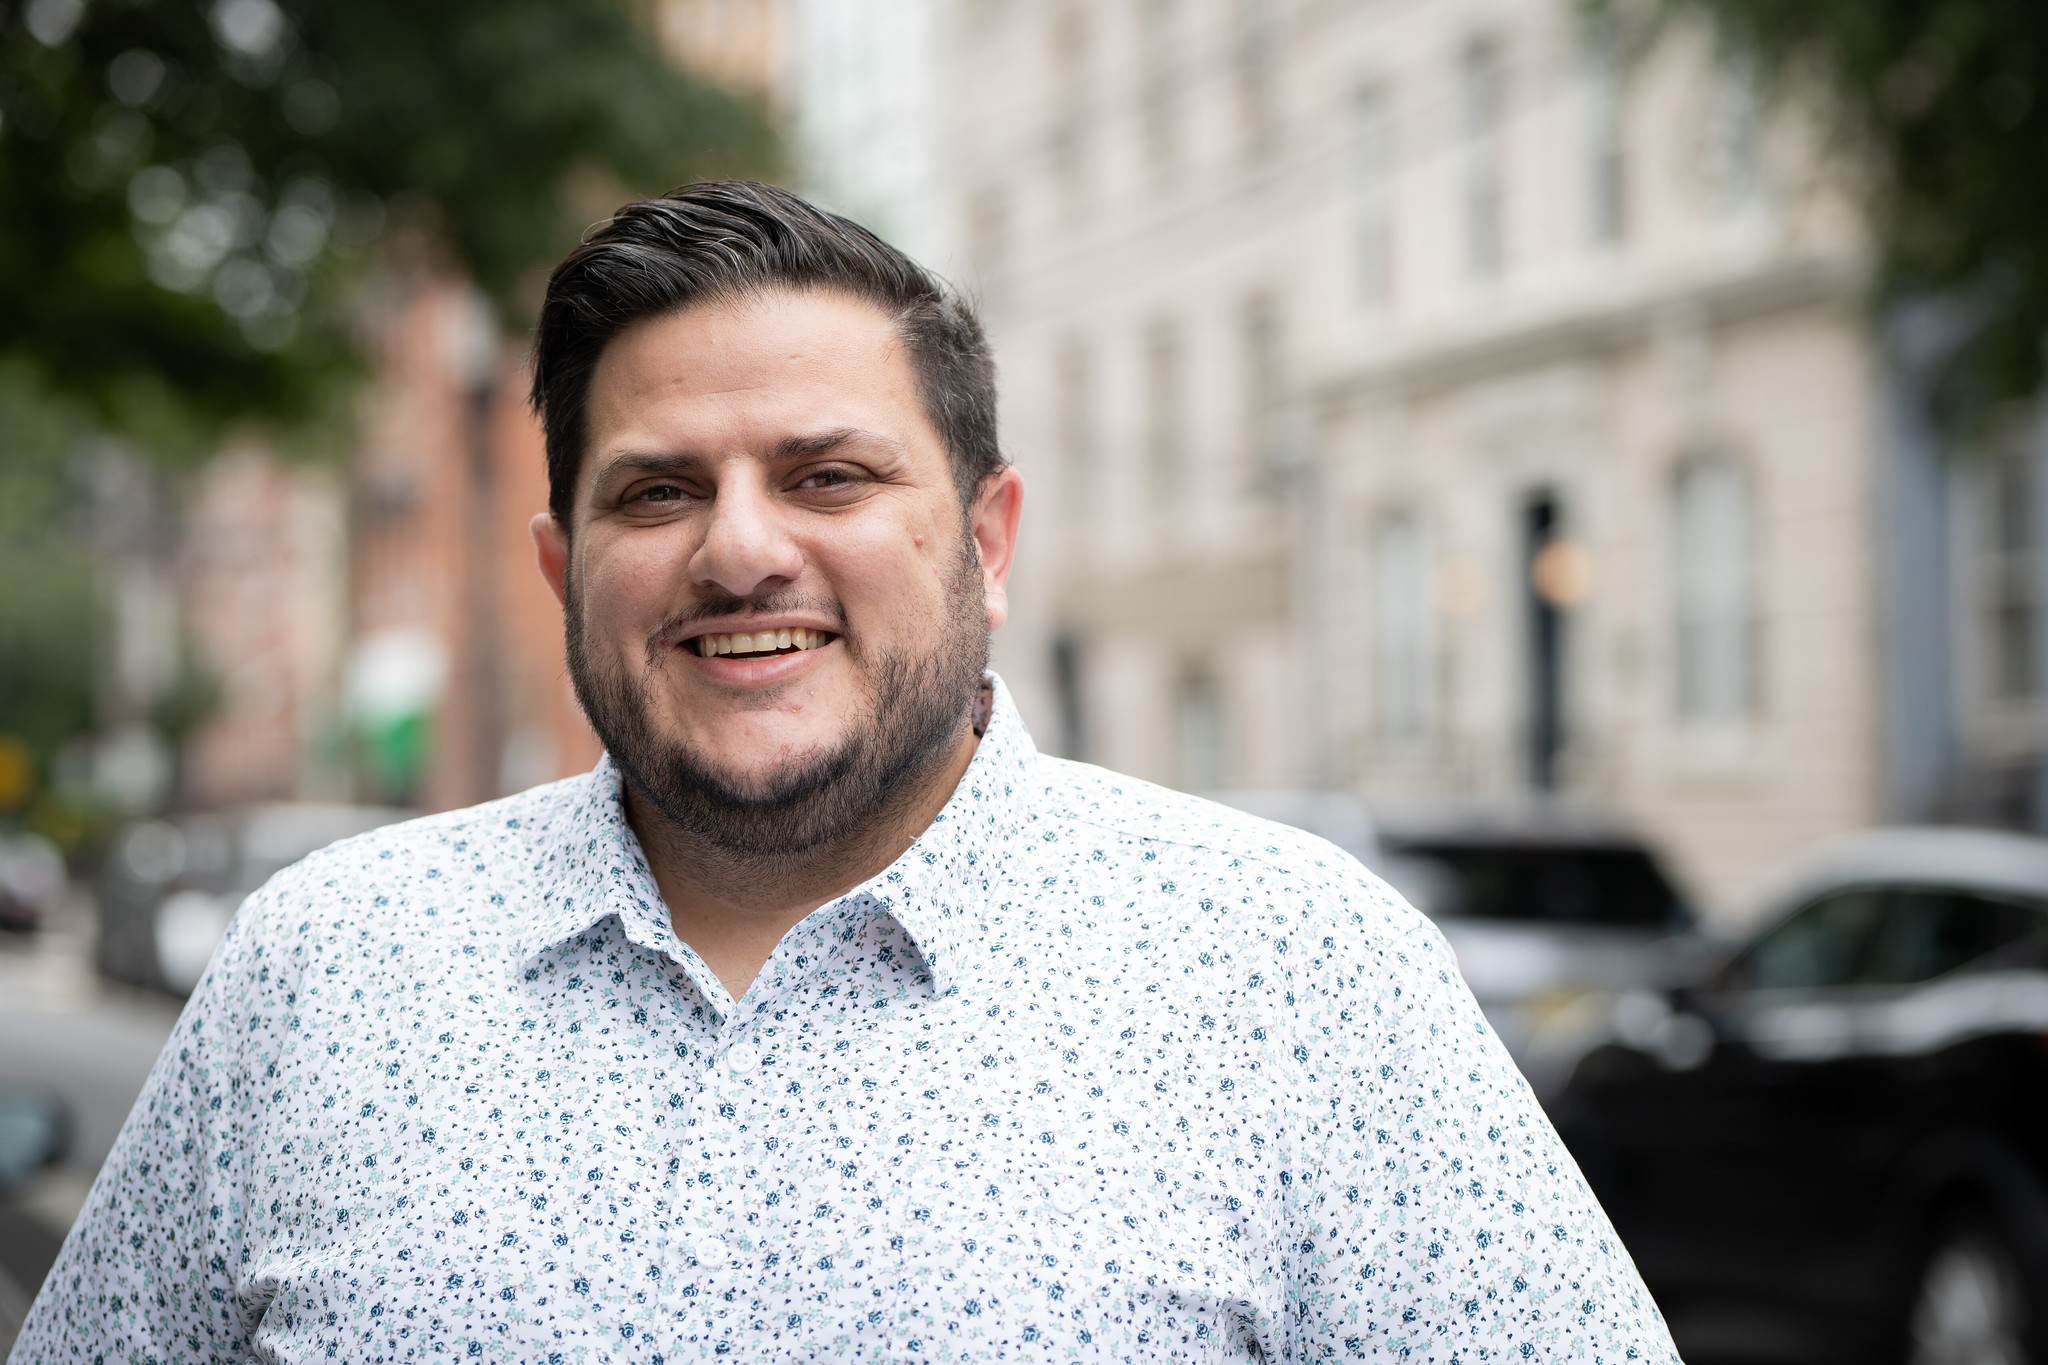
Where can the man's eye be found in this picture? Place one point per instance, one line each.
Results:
(665, 492)
(826, 478)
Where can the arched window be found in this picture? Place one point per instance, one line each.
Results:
(1482, 81)
(1713, 577)
(1202, 732)
(1165, 406)
(1372, 173)
(1079, 481)
(1403, 629)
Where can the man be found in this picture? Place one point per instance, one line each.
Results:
(825, 1018)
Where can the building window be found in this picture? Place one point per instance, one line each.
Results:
(1403, 629)
(1070, 101)
(1201, 736)
(1734, 130)
(1551, 586)
(1159, 41)
(2008, 577)
(1165, 458)
(1372, 237)
(988, 233)
(1257, 63)
(1067, 685)
(1259, 332)
(1606, 145)
(1074, 373)
(1482, 99)
(1714, 610)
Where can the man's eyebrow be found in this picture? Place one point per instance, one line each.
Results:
(652, 462)
(634, 462)
(823, 442)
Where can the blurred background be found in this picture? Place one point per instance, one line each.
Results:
(1582, 457)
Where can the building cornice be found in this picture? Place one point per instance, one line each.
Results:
(1585, 328)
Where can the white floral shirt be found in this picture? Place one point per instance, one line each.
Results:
(1094, 1071)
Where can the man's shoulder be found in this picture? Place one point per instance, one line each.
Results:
(456, 848)
(1130, 808)
(1268, 892)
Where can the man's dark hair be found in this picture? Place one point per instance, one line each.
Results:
(727, 239)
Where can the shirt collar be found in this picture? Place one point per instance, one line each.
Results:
(940, 891)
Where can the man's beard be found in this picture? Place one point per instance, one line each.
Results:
(916, 707)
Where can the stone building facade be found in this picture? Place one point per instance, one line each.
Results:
(1438, 400)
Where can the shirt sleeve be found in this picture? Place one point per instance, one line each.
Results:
(150, 1270)
(1446, 1222)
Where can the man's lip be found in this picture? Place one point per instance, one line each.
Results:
(756, 640)
(755, 670)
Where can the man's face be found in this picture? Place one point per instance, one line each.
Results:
(770, 578)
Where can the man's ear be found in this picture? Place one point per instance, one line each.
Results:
(998, 506)
(551, 552)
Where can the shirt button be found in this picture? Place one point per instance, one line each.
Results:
(1066, 1200)
(743, 1057)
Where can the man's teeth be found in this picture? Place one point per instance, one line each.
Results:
(760, 641)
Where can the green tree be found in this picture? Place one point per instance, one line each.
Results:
(184, 184)
(1943, 107)
(190, 190)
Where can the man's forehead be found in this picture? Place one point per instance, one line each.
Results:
(782, 373)
(769, 329)
(816, 351)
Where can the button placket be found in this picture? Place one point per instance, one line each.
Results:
(677, 1114)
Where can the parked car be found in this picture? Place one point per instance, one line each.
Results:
(1553, 910)
(31, 880)
(1834, 1145)
(169, 887)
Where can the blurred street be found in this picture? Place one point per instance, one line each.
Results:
(92, 1042)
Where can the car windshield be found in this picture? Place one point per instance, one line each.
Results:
(1886, 936)
(1538, 883)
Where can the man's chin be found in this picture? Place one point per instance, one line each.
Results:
(755, 784)
(746, 756)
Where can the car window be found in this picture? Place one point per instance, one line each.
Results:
(1927, 932)
(1543, 883)
(1818, 944)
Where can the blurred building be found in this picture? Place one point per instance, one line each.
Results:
(263, 579)
(381, 633)
(741, 44)
(456, 686)
(1440, 400)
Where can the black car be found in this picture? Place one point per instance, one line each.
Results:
(1834, 1146)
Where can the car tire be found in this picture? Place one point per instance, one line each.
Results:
(1971, 1304)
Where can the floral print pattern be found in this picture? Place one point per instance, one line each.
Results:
(1094, 1071)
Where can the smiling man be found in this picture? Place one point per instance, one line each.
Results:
(825, 1018)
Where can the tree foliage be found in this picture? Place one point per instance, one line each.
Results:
(184, 183)
(1945, 105)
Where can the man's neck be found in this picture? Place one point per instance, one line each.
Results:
(733, 912)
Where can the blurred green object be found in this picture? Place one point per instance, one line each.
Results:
(395, 756)
(48, 601)
(1944, 105)
(183, 187)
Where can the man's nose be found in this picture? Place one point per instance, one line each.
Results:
(747, 547)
